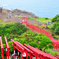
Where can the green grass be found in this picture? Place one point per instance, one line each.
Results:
(50, 26)
(39, 19)
(51, 52)
(3, 24)
(44, 27)
(31, 18)
(32, 33)
(43, 20)
(41, 26)
(18, 16)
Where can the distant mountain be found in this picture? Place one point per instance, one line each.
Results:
(24, 13)
(5, 12)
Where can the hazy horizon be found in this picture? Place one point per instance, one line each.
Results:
(44, 8)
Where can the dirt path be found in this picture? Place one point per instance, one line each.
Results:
(32, 21)
(54, 50)
(13, 19)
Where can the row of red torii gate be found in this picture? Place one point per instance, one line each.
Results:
(34, 28)
(29, 50)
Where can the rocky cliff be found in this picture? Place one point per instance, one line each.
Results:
(24, 13)
(18, 12)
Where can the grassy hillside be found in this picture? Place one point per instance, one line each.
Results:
(45, 20)
(32, 39)
(20, 33)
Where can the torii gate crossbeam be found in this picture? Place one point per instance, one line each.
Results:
(41, 54)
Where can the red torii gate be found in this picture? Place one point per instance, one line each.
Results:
(41, 55)
(7, 49)
(26, 50)
(30, 51)
(21, 48)
(22, 19)
(57, 56)
(2, 56)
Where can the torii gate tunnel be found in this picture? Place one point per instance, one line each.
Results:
(7, 49)
(34, 28)
(30, 51)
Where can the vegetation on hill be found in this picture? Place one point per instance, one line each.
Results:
(20, 33)
(11, 29)
(56, 18)
(39, 41)
(45, 20)
(55, 27)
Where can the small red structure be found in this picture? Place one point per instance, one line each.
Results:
(57, 56)
(2, 56)
(7, 49)
(22, 49)
(23, 19)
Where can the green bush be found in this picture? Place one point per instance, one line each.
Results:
(46, 18)
(56, 18)
(55, 28)
(7, 26)
(33, 44)
(8, 29)
(45, 43)
(56, 31)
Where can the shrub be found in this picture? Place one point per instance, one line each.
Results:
(14, 30)
(33, 44)
(56, 31)
(56, 18)
(46, 18)
(7, 26)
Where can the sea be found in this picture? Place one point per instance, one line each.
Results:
(41, 8)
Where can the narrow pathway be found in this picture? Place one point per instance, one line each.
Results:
(54, 50)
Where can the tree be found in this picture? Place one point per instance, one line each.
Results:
(56, 18)
(45, 43)
(33, 44)
(56, 31)
(55, 28)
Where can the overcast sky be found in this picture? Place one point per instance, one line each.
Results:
(38, 7)
(4, 3)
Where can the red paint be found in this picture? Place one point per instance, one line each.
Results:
(36, 29)
(2, 56)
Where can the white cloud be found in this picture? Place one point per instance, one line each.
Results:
(5, 5)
